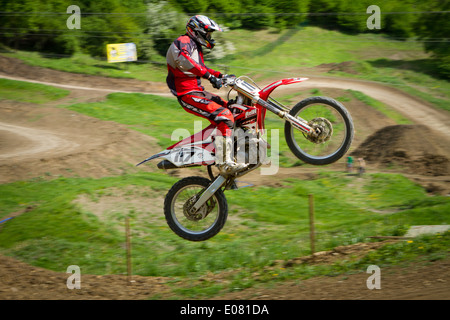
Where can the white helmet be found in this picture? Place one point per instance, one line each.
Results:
(200, 29)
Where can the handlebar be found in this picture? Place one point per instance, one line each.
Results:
(228, 80)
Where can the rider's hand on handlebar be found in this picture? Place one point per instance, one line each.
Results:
(216, 83)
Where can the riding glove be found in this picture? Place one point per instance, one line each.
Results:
(216, 82)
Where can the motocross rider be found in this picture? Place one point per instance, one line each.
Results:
(186, 67)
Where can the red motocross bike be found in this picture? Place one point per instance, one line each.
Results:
(318, 130)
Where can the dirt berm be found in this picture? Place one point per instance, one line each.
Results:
(414, 147)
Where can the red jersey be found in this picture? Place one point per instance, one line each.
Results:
(186, 66)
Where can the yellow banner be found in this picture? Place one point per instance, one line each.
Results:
(121, 52)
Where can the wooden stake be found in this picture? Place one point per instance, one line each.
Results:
(311, 223)
(127, 228)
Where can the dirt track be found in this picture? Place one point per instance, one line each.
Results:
(411, 107)
(73, 137)
(45, 140)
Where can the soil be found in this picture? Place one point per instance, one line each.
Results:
(413, 146)
(47, 141)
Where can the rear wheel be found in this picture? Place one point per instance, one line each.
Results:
(334, 127)
(200, 225)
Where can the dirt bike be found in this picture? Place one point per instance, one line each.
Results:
(318, 130)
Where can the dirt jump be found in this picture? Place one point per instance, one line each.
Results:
(46, 140)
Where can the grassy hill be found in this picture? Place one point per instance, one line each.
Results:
(302, 51)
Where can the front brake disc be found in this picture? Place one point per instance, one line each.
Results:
(322, 130)
(202, 212)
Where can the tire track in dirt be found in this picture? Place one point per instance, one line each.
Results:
(39, 141)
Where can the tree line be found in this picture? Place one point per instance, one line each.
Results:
(42, 24)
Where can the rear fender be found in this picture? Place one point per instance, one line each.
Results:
(186, 156)
(155, 156)
(192, 155)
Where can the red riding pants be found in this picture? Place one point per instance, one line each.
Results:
(209, 106)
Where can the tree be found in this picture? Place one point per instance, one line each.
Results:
(114, 21)
(290, 12)
(352, 16)
(163, 25)
(41, 25)
(36, 25)
(434, 29)
(191, 6)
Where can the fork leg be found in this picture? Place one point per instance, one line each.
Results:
(209, 192)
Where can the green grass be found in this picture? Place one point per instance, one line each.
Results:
(57, 232)
(400, 64)
(415, 76)
(29, 92)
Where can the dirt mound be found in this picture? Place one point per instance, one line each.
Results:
(414, 146)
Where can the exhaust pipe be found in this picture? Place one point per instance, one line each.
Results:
(166, 164)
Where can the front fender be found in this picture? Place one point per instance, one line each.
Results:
(264, 93)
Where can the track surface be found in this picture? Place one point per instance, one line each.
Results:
(47, 140)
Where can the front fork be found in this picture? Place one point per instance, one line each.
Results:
(297, 123)
(208, 193)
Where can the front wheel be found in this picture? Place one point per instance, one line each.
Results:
(331, 119)
(200, 225)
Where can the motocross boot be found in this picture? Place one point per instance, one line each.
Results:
(224, 162)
